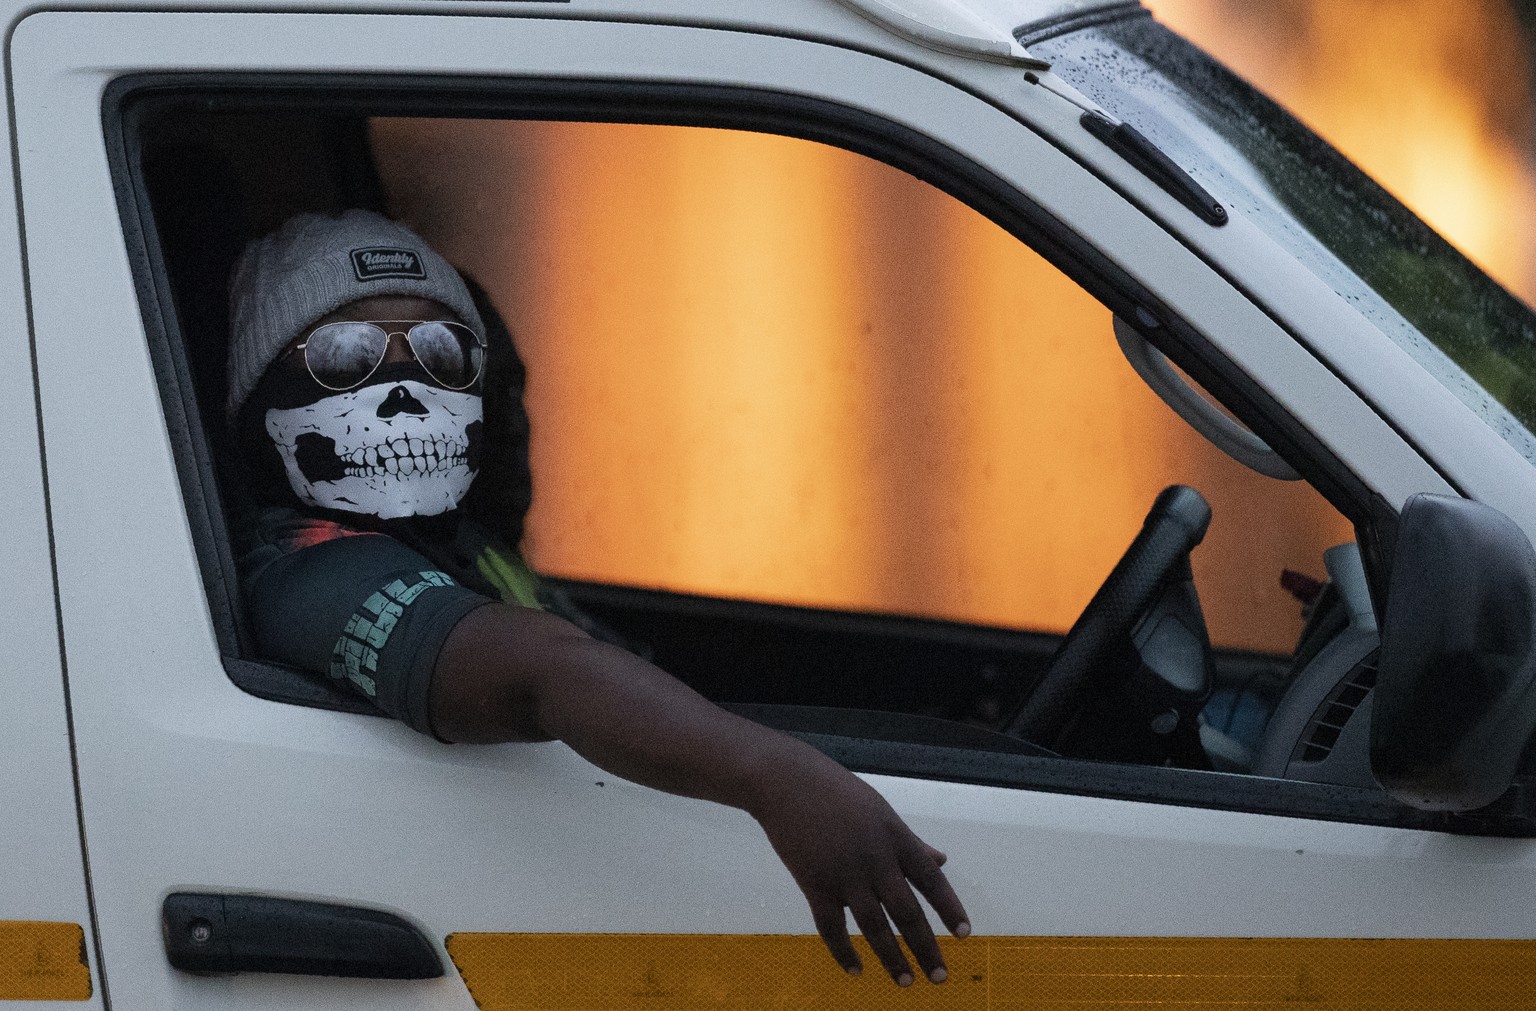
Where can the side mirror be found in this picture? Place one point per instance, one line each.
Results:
(1455, 700)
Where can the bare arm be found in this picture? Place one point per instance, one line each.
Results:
(510, 674)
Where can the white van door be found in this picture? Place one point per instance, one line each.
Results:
(535, 879)
(48, 947)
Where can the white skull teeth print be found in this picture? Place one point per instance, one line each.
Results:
(407, 456)
(389, 450)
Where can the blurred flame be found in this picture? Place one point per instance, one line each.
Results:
(1428, 97)
(769, 369)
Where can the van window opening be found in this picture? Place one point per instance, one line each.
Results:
(873, 402)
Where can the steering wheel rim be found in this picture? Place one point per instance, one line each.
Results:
(1175, 524)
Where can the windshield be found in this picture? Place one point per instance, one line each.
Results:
(1469, 333)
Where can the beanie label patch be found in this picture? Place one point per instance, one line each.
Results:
(382, 261)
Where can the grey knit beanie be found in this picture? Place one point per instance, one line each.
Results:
(313, 265)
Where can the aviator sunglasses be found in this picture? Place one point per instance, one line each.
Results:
(343, 355)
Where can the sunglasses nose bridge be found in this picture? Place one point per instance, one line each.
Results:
(397, 350)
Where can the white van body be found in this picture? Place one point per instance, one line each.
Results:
(135, 768)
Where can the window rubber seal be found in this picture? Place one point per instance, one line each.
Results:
(1065, 24)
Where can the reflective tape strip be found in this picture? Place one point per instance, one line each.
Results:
(43, 961)
(714, 972)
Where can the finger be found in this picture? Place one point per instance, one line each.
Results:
(937, 856)
(925, 875)
(870, 917)
(832, 925)
(910, 919)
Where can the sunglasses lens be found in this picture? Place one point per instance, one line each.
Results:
(341, 355)
(449, 351)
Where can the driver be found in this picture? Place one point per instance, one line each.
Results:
(357, 394)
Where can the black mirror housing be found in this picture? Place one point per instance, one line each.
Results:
(1456, 697)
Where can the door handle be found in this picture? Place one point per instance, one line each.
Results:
(212, 932)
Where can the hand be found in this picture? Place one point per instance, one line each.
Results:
(846, 848)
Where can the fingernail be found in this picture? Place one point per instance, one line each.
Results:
(938, 975)
(855, 970)
(905, 979)
(962, 929)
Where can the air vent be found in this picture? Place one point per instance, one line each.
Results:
(1332, 716)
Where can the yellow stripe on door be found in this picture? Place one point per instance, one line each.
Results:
(43, 961)
(712, 972)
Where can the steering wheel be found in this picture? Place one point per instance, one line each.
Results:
(1175, 525)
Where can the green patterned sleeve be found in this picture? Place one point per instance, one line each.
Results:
(365, 611)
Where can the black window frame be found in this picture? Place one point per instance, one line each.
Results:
(131, 102)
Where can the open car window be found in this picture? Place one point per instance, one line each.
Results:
(825, 442)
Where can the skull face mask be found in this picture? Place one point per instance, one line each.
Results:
(393, 449)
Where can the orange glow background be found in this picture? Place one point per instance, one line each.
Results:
(769, 369)
(1429, 97)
